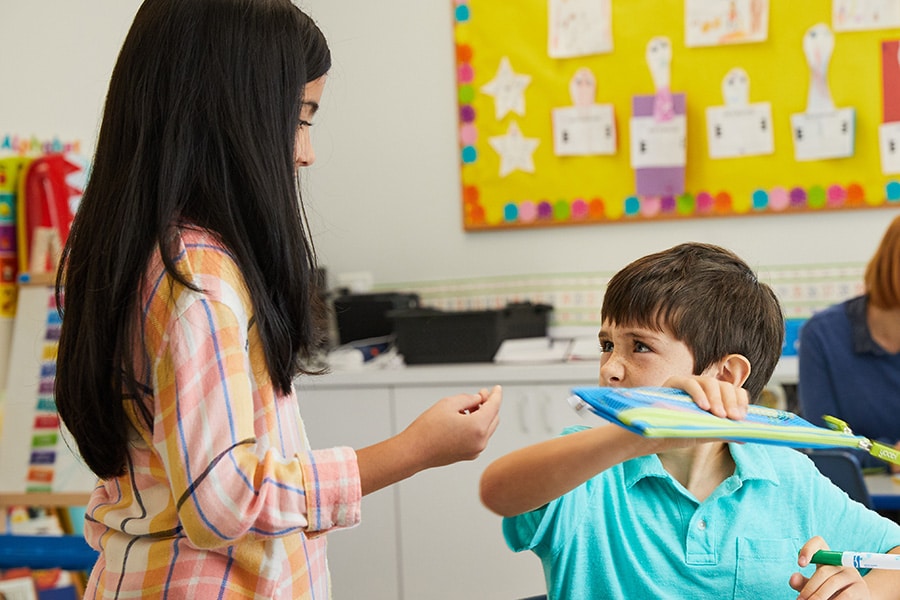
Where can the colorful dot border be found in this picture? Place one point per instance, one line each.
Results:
(465, 77)
(545, 211)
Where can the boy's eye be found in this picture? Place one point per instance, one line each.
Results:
(641, 347)
(606, 346)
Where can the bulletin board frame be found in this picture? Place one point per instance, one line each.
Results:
(571, 190)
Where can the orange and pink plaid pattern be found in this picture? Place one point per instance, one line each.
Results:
(223, 497)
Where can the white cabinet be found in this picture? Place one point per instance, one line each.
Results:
(431, 537)
(451, 546)
(364, 559)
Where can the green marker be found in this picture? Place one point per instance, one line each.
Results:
(860, 560)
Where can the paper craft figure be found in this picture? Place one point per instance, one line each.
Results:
(579, 28)
(659, 129)
(739, 128)
(889, 130)
(585, 128)
(822, 131)
(718, 22)
(515, 150)
(508, 90)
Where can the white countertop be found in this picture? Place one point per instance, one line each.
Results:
(486, 373)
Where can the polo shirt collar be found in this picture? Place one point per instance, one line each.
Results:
(859, 328)
(751, 461)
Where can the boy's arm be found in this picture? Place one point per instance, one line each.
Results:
(530, 477)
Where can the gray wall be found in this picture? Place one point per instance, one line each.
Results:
(384, 194)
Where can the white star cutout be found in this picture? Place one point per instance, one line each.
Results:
(515, 150)
(508, 90)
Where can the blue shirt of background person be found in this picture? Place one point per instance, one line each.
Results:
(849, 354)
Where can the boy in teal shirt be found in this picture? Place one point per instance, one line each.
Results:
(612, 514)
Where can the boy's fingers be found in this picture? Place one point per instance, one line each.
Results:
(734, 401)
(692, 387)
(713, 392)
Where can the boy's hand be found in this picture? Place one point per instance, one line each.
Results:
(828, 581)
(720, 398)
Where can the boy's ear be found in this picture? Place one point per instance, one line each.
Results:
(734, 368)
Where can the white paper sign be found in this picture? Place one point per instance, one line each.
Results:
(889, 141)
(823, 135)
(658, 143)
(745, 131)
(584, 130)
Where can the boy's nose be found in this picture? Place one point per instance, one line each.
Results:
(611, 369)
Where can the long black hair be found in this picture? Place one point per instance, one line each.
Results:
(198, 127)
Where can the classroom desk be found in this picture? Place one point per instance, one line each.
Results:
(885, 491)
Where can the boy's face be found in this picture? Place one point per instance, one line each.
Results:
(635, 357)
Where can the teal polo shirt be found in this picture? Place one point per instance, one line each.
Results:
(635, 532)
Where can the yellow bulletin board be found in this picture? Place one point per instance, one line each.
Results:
(566, 190)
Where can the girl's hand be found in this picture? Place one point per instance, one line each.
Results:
(836, 583)
(455, 428)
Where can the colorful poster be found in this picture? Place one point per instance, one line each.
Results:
(35, 450)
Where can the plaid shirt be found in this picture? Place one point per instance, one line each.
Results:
(222, 498)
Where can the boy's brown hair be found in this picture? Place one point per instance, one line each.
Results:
(882, 276)
(708, 298)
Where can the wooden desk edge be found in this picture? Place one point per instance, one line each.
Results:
(45, 499)
(48, 499)
(48, 279)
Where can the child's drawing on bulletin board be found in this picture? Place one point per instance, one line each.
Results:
(601, 111)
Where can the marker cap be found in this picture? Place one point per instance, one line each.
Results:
(827, 557)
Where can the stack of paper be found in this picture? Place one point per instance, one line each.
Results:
(532, 351)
